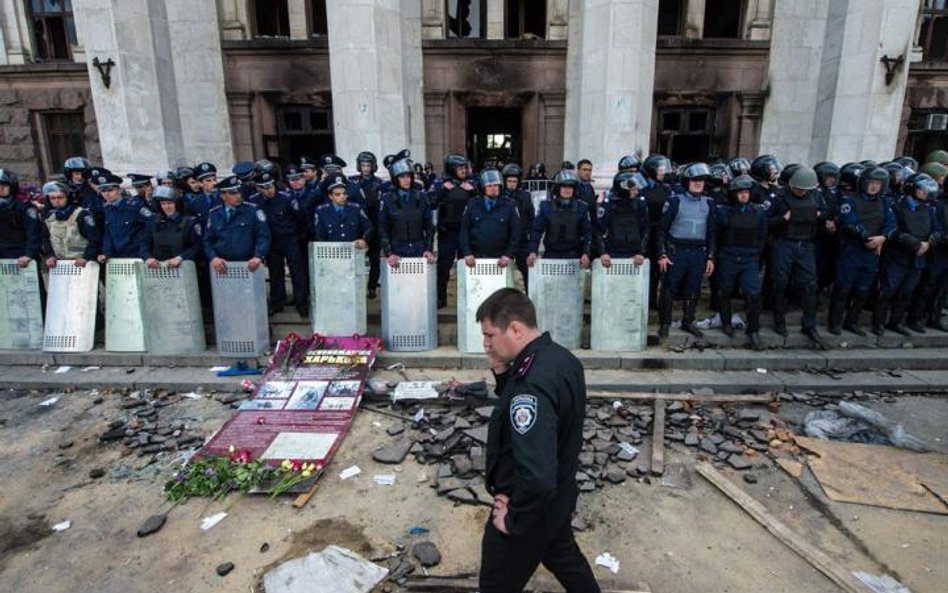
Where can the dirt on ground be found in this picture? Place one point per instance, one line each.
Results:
(679, 536)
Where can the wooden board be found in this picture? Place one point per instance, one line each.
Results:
(658, 439)
(794, 468)
(682, 397)
(878, 475)
(816, 557)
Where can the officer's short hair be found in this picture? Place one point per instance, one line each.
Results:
(582, 162)
(507, 305)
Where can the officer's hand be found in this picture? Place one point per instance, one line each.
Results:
(709, 268)
(429, 257)
(101, 259)
(501, 501)
(22, 261)
(466, 186)
(923, 248)
(830, 226)
(254, 263)
(360, 244)
(175, 262)
(531, 259)
(787, 216)
(80, 262)
(51, 262)
(152, 263)
(638, 260)
(498, 515)
(503, 262)
(664, 262)
(497, 364)
(584, 262)
(393, 260)
(219, 265)
(606, 260)
(447, 185)
(469, 261)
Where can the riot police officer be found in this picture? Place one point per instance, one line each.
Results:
(742, 234)
(284, 219)
(931, 298)
(76, 171)
(449, 196)
(246, 172)
(537, 171)
(406, 221)
(235, 230)
(717, 186)
(585, 190)
(490, 226)
(310, 170)
(765, 170)
(655, 168)
(166, 178)
(370, 186)
(534, 439)
(125, 220)
(904, 258)
(188, 187)
(340, 220)
(739, 166)
(69, 231)
(827, 239)
(685, 248)
(20, 233)
(623, 222)
(170, 236)
(208, 196)
(521, 198)
(563, 224)
(796, 212)
(629, 163)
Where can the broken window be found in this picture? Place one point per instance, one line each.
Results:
(302, 130)
(670, 17)
(63, 136)
(271, 18)
(317, 10)
(466, 18)
(933, 35)
(54, 30)
(525, 19)
(684, 133)
(722, 18)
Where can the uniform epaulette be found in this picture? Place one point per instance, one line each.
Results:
(524, 367)
(218, 207)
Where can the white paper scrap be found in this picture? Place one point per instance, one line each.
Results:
(208, 522)
(609, 561)
(49, 402)
(350, 472)
(62, 526)
(62, 369)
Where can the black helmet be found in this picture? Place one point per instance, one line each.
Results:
(739, 166)
(629, 162)
(399, 164)
(653, 163)
(787, 172)
(897, 175)
(367, 157)
(874, 174)
(75, 164)
(183, 173)
(564, 178)
(490, 176)
(766, 167)
(907, 161)
(452, 163)
(538, 169)
(8, 177)
(826, 169)
(738, 184)
(624, 181)
(869, 164)
(567, 166)
(923, 182)
(267, 166)
(849, 176)
(720, 175)
(696, 172)
(512, 170)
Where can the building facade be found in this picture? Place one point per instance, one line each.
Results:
(142, 85)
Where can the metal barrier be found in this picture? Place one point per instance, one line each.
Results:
(124, 323)
(71, 302)
(172, 310)
(556, 288)
(241, 327)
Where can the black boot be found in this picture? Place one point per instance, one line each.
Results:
(916, 310)
(688, 319)
(836, 310)
(935, 318)
(851, 324)
(780, 311)
(754, 342)
(664, 312)
(753, 314)
(724, 310)
(881, 312)
(899, 305)
(815, 339)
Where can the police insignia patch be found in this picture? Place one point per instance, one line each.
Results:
(31, 212)
(666, 206)
(845, 209)
(600, 212)
(765, 204)
(89, 220)
(197, 230)
(145, 212)
(261, 216)
(523, 412)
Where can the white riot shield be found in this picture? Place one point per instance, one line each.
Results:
(21, 312)
(409, 306)
(172, 310)
(474, 286)
(240, 311)
(556, 288)
(619, 306)
(337, 289)
(124, 321)
(71, 302)
(539, 190)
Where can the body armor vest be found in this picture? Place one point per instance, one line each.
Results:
(64, 235)
(691, 223)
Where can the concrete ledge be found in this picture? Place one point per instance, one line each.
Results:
(707, 360)
(100, 358)
(27, 357)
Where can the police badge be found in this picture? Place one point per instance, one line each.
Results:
(523, 412)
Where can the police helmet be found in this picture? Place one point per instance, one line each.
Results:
(75, 164)
(624, 181)
(453, 162)
(244, 169)
(163, 193)
(826, 169)
(934, 170)
(490, 177)
(336, 180)
(921, 181)
(565, 178)
(739, 184)
(907, 161)
(720, 175)
(696, 172)
(54, 187)
(183, 173)
(739, 166)
(803, 178)
(8, 177)
(629, 162)
(267, 166)
(265, 179)
(367, 157)
(400, 166)
(766, 167)
(787, 172)
(874, 174)
(849, 176)
(869, 164)
(655, 162)
(897, 175)
(937, 156)
(567, 166)
(165, 175)
(512, 170)
(538, 169)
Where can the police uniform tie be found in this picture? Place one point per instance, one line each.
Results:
(228, 213)
(489, 204)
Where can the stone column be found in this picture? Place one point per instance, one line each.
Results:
(15, 33)
(758, 20)
(375, 62)
(694, 19)
(235, 23)
(432, 19)
(610, 75)
(495, 19)
(829, 98)
(557, 19)
(299, 18)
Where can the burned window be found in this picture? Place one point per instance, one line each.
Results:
(317, 9)
(271, 18)
(525, 19)
(933, 34)
(722, 18)
(684, 133)
(670, 17)
(54, 30)
(466, 18)
(63, 137)
(301, 130)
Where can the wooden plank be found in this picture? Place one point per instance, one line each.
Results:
(303, 498)
(682, 397)
(658, 439)
(813, 555)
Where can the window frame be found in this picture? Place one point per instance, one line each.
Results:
(46, 44)
(255, 24)
(50, 163)
(521, 6)
(483, 22)
(926, 41)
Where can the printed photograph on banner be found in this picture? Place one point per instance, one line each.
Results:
(300, 445)
(347, 388)
(307, 395)
(263, 404)
(276, 390)
(337, 404)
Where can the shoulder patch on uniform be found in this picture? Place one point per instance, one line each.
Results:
(845, 209)
(766, 204)
(197, 230)
(666, 206)
(261, 216)
(600, 212)
(145, 212)
(523, 412)
(89, 220)
(294, 204)
(31, 212)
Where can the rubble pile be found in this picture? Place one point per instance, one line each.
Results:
(144, 432)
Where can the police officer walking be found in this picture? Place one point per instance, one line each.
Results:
(235, 231)
(339, 220)
(522, 199)
(563, 224)
(533, 445)
(370, 186)
(69, 231)
(170, 236)
(685, 248)
(406, 222)
(449, 196)
(490, 226)
(20, 233)
(623, 222)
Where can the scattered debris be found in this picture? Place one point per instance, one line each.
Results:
(153, 524)
(225, 568)
(49, 402)
(609, 561)
(859, 424)
(350, 472)
(212, 520)
(883, 584)
(426, 553)
(384, 479)
(62, 526)
(395, 453)
(62, 369)
(96, 473)
(334, 569)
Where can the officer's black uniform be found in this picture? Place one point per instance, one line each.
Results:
(283, 216)
(172, 236)
(490, 228)
(450, 204)
(370, 188)
(534, 438)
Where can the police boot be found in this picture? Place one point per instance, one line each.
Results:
(897, 316)
(836, 310)
(815, 339)
(780, 313)
(688, 320)
(917, 310)
(851, 324)
(664, 313)
(880, 312)
(753, 313)
(754, 342)
(724, 310)
(935, 320)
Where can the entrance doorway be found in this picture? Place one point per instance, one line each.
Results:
(494, 135)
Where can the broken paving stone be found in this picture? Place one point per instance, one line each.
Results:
(151, 525)
(674, 406)
(113, 434)
(578, 524)
(586, 459)
(730, 447)
(679, 417)
(702, 391)
(426, 553)
(225, 568)
(708, 446)
(760, 435)
(446, 485)
(462, 495)
(395, 429)
(675, 435)
(484, 412)
(747, 415)
(691, 439)
(587, 486)
(460, 423)
(394, 453)
(96, 473)
(738, 462)
(615, 476)
(750, 478)
(479, 434)
(716, 438)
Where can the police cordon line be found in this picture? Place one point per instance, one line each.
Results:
(188, 243)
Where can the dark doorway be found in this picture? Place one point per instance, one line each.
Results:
(303, 131)
(494, 134)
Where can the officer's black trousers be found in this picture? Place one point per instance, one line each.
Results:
(507, 563)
